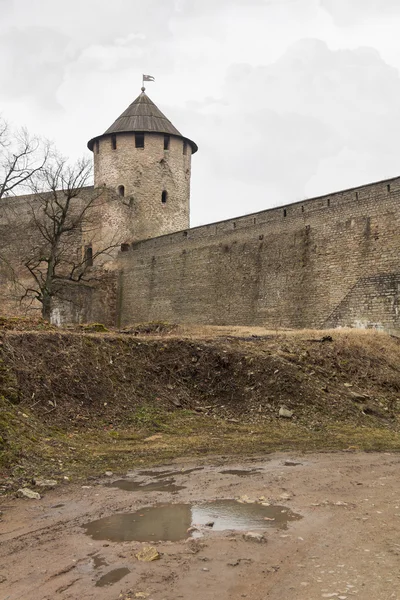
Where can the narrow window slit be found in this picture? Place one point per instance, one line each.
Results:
(164, 197)
(89, 256)
(139, 140)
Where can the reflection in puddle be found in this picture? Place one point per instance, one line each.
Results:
(112, 577)
(98, 562)
(229, 514)
(129, 485)
(240, 472)
(163, 474)
(170, 522)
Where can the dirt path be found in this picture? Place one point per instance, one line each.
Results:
(347, 545)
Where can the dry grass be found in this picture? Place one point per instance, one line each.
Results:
(223, 331)
(75, 403)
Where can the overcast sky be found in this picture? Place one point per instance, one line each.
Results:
(287, 99)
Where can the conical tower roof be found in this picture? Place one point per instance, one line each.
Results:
(145, 117)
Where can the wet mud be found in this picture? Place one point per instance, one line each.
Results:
(240, 472)
(130, 485)
(328, 528)
(112, 577)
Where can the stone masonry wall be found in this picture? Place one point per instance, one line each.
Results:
(105, 227)
(87, 302)
(328, 261)
(145, 173)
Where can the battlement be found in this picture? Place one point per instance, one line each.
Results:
(290, 266)
(283, 217)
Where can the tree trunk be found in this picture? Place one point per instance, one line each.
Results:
(46, 307)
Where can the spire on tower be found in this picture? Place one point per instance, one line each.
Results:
(143, 116)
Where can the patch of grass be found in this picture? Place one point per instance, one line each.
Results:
(74, 404)
(33, 451)
(147, 417)
(94, 327)
(151, 328)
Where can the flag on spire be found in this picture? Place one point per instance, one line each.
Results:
(148, 78)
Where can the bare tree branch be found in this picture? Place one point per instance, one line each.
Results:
(21, 157)
(58, 239)
(63, 212)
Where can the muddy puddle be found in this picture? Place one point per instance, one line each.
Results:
(130, 485)
(164, 481)
(98, 562)
(112, 577)
(170, 522)
(164, 474)
(241, 472)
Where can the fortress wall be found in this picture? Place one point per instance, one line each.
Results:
(20, 240)
(292, 266)
(87, 302)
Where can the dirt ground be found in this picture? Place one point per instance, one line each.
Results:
(346, 545)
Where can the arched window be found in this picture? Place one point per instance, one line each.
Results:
(121, 191)
(164, 197)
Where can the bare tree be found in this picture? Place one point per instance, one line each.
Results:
(21, 157)
(64, 213)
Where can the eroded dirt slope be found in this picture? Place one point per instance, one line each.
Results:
(90, 399)
(67, 378)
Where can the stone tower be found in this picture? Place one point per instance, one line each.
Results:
(147, 161)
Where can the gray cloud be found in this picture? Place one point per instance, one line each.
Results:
(98, 20)
(280, 123)
(39, 54)
(31, 63)
(347, 12)
(202, 7)
(276, 118)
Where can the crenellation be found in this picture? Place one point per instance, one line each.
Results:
(292, 271)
